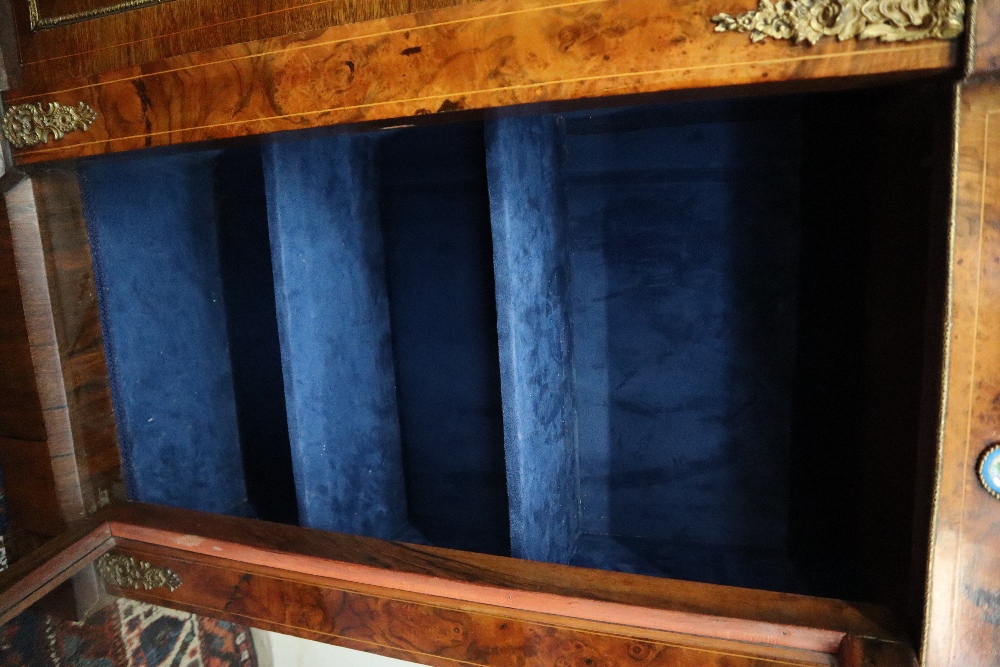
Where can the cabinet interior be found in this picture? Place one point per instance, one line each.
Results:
(694, 339)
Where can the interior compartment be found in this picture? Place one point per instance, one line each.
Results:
(434, 208)
(696, 340)
(683, 227)
(180, 254)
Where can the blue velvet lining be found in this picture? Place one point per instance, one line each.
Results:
(333, 319)
(532, 294)
(248, 289)
(435, 213)
(631, 410)
(152, 223)
(684, 260)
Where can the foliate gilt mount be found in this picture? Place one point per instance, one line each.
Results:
(27, 125)
(127, 572)
(806, 21)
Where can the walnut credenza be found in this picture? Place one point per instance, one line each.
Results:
(603, 332)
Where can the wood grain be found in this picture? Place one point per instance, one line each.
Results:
(142, 35)
(425, 629)
(385, 619)
(31, 578)
(76, 318)
(66, 352)
(984, 51)
(29, 482)
(962, 624)
(639, 601)
(483, 55)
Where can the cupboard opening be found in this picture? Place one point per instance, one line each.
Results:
(697, 340)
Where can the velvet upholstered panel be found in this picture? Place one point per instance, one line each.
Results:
(568, 337)
(333, 315)
(683, 253)
(152, 220)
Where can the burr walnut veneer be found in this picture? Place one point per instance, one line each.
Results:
(509, 332)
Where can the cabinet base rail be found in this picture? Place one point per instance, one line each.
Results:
(439, 606)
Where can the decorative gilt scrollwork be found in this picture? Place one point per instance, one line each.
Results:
(39, 22)
(887, 20)
(32, 124)
(127, 572)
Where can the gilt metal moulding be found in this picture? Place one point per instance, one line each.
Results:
(39, 22)
(808, 21)
(127, 572)
(26, 125)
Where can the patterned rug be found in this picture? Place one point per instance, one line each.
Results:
(126, 634)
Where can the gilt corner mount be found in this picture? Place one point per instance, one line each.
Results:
(127, 572)
(808, 21)
(27, 125)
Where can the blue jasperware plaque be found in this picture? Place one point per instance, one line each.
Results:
(989, 470)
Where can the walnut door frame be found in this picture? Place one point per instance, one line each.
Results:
(962, 620)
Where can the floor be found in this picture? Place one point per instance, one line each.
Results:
(126, 634)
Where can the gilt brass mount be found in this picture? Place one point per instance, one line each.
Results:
(39, 22)
(127, 572)
(27, 125)
(810, 20)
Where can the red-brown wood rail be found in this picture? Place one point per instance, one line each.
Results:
(356, 591)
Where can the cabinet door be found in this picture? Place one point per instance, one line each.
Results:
(963, 611)
(441, 607)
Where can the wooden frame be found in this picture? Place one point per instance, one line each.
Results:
(540, 51)
(414, 66)
(962, 601)
(396, 599)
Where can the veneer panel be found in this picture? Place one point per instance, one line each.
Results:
(504, 581)
(960, 627)
(62, 48)
(484, 55)
(427, 630)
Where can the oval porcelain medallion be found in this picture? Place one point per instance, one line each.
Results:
(989, 470)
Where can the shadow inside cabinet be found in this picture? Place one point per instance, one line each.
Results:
(697, 340)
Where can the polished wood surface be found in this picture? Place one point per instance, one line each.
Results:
(141, 35)
(216, 578)
(426, 629)
(984, 47)
(483, 55)
(744, 614)
(39, 573)
(963, 612)
(63, 463)
(29, 482)
(79, 341)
